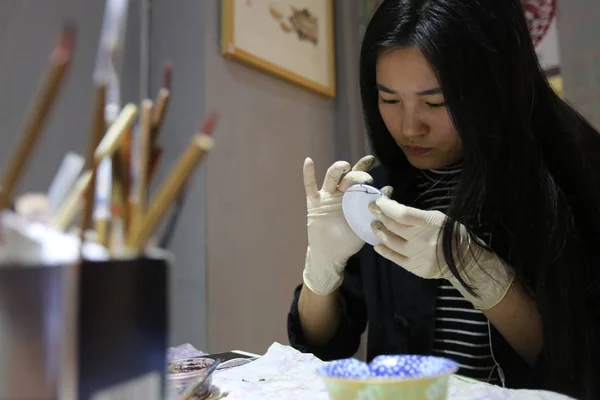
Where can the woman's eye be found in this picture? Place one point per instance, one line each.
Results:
(387, 101)
(435, 105)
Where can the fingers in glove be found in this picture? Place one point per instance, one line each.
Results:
(354, 178)
(390, 254)
(364, 164)
(310, 182)
(408, 215)
(406, 232)
(390, 239)
(388, 191)
(334, 174)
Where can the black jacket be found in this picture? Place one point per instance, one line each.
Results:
(398, 306)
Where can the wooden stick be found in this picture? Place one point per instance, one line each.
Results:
(140, 194)
(107, 147)
(124, 171)
(102, 237)
(116, 133)
(117, 202)
(60, 60)
(162, 103)
(72, 205)
(201, 144)
(98, 129)
(167, 76)
(155, 157)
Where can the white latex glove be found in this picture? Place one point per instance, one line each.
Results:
(409, 238)
(331, 241)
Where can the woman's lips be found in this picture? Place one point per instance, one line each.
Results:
(416, 151)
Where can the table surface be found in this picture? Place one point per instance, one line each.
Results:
(284, 373)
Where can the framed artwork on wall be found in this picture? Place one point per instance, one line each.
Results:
(556, 82)
(290, 39)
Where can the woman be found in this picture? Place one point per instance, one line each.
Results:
(488, 253)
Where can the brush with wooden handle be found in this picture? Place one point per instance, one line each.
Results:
(161, 104)
(160, 110)
(108, 145)
(201, 144)
(98, 129)
(60, 60)
(139, 195)
(116, 134)
(108, 199)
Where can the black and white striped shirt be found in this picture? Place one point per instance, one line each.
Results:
(461, 332)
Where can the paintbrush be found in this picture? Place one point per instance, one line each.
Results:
(71, 205)
(160, 110)
(108, 145)
(141, 162)
(112, 42)
(116, 134)
(117, 204)
(108, 187)
(124, 161)
(162, 103)
(60, 60)
(201, 143)
(97, 131)
(69, 171)
(155, 157)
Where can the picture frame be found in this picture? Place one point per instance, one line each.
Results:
(555, 80)
(556, 83)
(293, 40)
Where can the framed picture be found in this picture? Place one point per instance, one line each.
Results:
(555, 80)
(291, 39)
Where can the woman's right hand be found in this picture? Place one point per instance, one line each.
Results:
(331, 241)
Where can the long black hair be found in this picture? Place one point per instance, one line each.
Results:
(531, 168)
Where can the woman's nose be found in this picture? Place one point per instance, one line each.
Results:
(412, 126)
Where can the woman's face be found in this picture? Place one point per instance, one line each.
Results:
(412, 106)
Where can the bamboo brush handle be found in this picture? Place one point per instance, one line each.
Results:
(170, 189)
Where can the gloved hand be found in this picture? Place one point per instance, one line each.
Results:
(331, 241)
(409, 238)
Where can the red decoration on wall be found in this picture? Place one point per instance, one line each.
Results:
(539, 15)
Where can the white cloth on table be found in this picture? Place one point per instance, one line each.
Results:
(284, 373)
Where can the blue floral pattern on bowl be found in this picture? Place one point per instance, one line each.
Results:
(399, 366)
(400, 377)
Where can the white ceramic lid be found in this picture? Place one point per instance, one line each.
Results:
(355, 205)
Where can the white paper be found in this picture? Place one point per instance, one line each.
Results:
(282, 373)
(183, 351)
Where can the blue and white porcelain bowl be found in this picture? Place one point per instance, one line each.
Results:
(413, 377)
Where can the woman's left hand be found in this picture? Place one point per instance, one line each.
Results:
(410, 238)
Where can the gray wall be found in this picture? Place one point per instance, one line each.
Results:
(255, 200)
(177, 35)
(579, 42)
